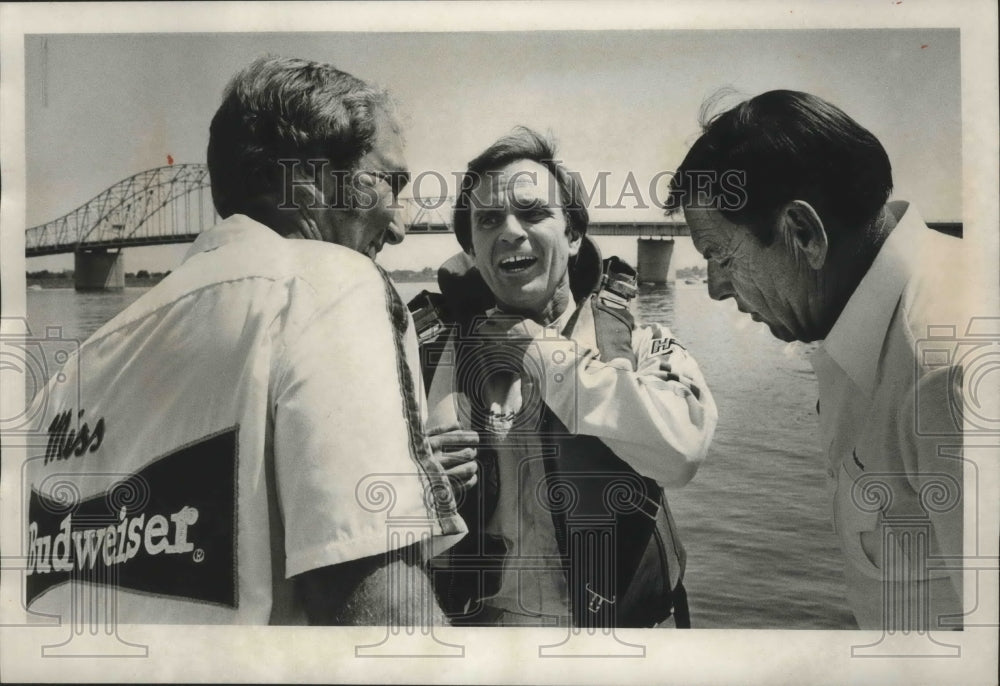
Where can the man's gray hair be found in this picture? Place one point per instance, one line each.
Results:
(280, 108)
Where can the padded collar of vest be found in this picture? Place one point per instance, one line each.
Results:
(467, 294)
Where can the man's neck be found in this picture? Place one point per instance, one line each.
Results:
(550, 314)
(851, 261)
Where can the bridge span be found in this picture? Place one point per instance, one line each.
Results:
(173, 204)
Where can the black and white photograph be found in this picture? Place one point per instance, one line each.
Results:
(503, 342)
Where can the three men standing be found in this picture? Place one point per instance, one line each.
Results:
(244, 401)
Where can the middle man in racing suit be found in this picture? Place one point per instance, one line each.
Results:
(581, 417)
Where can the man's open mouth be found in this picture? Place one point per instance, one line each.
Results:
(516, 263)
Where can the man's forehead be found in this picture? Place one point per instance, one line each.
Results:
(524, 179)
(705, 224)
(388, 150)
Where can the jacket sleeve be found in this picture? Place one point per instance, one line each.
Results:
(659, 418)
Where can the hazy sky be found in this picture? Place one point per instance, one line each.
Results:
(103, 107)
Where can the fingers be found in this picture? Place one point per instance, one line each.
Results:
(463, 476)
(463, 470)
(455, 450)
(459, 486)
(459, 457)
(453, 438)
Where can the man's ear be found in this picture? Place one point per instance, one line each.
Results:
(803, 233)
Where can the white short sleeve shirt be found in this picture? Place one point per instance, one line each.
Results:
(252, 417)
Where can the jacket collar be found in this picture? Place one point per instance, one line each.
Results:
(855, 341)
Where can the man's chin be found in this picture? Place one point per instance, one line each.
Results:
(780, 333)
(789, 337)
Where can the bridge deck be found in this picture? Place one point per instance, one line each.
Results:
(173, 204)
(638, 229)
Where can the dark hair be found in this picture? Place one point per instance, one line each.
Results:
(781, 146)
(521, 144)
(284, 108)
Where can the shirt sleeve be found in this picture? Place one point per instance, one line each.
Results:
(660, 427)
(351, 458)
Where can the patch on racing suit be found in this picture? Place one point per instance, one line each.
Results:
(168, 529)
(664, 346)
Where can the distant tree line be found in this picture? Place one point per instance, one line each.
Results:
(695, 272)
(69, 273)
(64, 278)
(46, 274)
(425, 274)
(143, 274)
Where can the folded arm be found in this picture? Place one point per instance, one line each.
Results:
(659, 418)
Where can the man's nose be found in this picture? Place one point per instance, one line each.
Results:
(512, 230)
(396, 231)
(719, 286)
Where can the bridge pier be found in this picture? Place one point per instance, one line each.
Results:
(96, 269)
(654, 259)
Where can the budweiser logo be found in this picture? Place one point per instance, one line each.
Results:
(169, 529)
(111, 545)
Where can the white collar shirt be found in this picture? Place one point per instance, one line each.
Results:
(878, 395)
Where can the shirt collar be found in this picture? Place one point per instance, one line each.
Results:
(855, 341)
(232, 229)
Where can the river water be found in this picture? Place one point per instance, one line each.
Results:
(756, 518)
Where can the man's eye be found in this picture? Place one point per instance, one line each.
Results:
(720, 260)
(535, 216)
(397, 182)
(488, 221)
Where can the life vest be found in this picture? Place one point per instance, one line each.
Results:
(621, 554)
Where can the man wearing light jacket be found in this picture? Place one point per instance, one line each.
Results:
(581, 416)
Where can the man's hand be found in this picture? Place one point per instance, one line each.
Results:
(455, 451)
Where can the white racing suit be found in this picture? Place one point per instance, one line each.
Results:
(581, 426)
